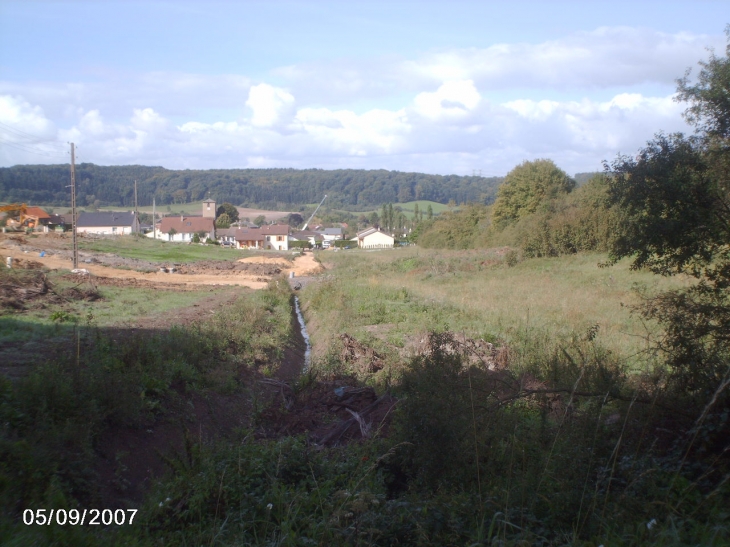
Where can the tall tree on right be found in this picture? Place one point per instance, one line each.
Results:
(674, 200)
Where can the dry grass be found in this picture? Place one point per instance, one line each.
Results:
(475, 292)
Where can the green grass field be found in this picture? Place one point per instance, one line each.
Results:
(144, 248)
(118, 306)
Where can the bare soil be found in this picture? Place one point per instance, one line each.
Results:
(252, 272)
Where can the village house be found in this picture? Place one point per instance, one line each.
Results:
(332, 234)
(183, 229)
(107, 223)
(314, 238)
(271, 237)
(373, 238)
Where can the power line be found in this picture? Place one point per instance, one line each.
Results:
(14, 134)
(27, 148)
(20, 132)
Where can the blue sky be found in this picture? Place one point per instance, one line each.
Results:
(414, 86)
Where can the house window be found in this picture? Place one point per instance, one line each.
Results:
(279, 238)
(114, 229)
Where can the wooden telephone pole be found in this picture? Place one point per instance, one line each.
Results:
(73, 209)
(136, 211)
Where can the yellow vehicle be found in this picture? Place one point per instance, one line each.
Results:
(19, 216)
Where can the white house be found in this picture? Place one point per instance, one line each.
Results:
(107, 223)
(274, 237)
(372, 238)
(314, 238)
(182, 228)
(332, 234)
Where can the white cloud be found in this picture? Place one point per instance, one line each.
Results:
(452, 129)
(443, 111)
(605, 58)
(453, 99)
(270, 105)
(26, 134)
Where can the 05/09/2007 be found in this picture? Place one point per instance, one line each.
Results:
(74, 517)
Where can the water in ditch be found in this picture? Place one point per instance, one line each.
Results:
(305, 336)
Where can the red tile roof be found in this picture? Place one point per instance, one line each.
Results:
(36, 212)
(186, 225)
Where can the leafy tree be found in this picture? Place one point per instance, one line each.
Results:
(709, 98)
(527, 187)
(429, 212)
(180, 196)
(295, 219)
(259, 220)
(223, 221)
(676, 209)
(454, 230)
(228, 209)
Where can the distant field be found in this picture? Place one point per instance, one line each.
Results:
(408, 208)
(196, 208)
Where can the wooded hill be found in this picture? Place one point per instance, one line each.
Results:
(352, 189)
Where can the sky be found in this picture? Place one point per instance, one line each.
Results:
(459, 87)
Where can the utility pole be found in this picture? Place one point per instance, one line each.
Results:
(73, 208)
(154, 219)
(136, 212)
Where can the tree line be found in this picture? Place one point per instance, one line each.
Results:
(350, 189)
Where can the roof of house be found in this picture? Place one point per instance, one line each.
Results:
(258, 234)
(371, 231)
(105, 218)
(247, 234)
(276, 229)
(332, 231)
(36, 212)
(186, 225)
(223, 232)
(306, 234)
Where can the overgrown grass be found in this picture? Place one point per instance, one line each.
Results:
(577, 442)
(52, 417)
(476, 292)
(568, 446)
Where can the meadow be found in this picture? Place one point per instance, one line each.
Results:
(570, 438)
(479, 293)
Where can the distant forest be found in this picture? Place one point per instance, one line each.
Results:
(350, 189)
